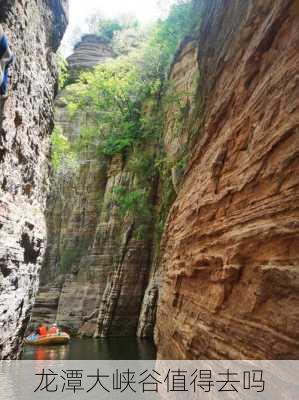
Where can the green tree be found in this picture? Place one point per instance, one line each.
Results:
(108, 27)
(112, 93)
(122, 97)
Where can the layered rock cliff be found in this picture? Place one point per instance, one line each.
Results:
(97, 265)
(230, 260)
(90, 51)
(35, 29)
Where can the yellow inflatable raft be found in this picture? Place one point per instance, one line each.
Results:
(48, 340)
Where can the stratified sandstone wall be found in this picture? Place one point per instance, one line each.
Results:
(96, 267)
(230, 264)
(183, 80)
(90, 51)
(35, 29)
(72, 209)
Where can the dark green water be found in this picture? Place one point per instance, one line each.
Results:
(92, 349)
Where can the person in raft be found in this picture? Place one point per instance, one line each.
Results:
(54, 330)
(6, 60)
(35, 334)
(42, 330)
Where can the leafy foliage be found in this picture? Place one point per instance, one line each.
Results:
(128, 40)
(113, 94)
(63, 157)
(129, 201)
(63, 73)
(108, 27)
(165, 36)
(135, 204)
(123, 98)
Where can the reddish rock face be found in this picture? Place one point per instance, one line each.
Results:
(231, 284)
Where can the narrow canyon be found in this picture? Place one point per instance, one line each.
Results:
(207, 262)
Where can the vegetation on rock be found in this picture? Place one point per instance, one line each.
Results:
(126, 99)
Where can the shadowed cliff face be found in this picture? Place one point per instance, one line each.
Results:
(26, 120)
(230, 262)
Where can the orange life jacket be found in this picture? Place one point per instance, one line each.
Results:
(42, 330)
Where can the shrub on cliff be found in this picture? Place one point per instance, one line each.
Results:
(123, 99)
(112, 94)
(108, 27)
(63, 157)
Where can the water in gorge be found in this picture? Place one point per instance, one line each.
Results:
(94, 349)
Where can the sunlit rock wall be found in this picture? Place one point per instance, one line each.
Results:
(230, 260)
